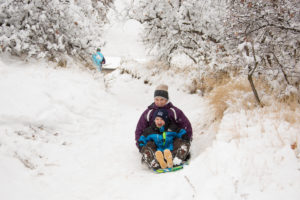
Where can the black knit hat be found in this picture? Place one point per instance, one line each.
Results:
(162, 113)
(161, 91)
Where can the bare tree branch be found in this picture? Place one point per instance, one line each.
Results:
(281, 67)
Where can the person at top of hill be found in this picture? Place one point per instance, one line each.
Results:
(181, 146)
(98, 59)
(162, 132)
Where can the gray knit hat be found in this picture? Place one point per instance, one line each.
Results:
(161, 91)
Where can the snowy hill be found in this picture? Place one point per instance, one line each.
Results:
(69, 134)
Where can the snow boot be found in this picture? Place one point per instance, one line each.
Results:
(181, 151)
(168, 157)
(160, 158)
(148, 158)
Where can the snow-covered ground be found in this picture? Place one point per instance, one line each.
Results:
(64, 135)
(122, 37)
(69, 134)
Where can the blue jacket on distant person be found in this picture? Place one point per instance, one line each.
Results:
(98, 59)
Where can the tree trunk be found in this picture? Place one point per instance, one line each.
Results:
(250, 74)
(254, 90)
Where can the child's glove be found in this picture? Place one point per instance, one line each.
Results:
(142, 141)
(181, 133)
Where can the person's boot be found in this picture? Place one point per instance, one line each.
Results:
(181, 151)
(169, 158)
(148, 158)
(160, 158)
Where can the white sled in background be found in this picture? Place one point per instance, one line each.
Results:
(111, 64)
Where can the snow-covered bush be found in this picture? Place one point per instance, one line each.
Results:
(176, 27)
(267, 33)
(52, 28)
(258, 38)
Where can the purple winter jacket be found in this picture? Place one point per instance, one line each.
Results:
(175, 115)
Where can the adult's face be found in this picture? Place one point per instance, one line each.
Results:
(160, 101)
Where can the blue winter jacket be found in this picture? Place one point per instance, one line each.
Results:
(98, 59)
(163, 139)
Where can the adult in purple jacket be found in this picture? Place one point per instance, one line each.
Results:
(181, 145)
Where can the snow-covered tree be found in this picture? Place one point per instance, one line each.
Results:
(52, 28)
(268, 35)
(190, 27)
(262, 37)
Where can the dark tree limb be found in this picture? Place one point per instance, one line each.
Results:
(273, 25)
(191, 57)
(281, 67)
(250, 79)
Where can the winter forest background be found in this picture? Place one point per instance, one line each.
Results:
(259, 39)
(236, 62)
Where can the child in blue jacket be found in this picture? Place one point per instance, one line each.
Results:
(162, 132)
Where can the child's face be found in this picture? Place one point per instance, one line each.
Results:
(159, 122)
